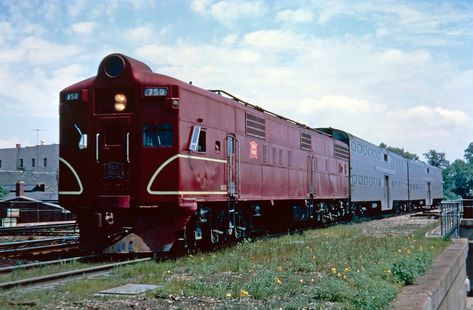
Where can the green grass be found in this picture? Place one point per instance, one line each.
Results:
(338, 267)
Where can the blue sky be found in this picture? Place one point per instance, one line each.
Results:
(398, 72)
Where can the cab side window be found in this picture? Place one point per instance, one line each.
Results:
(198, 142)
(157, 135)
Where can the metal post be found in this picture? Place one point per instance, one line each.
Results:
(451, 213)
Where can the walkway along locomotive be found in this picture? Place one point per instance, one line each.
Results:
(148, 162)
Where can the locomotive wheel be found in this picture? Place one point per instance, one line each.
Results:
(215, 236)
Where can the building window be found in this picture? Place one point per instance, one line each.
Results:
(385, 157)
(21, 162)
(33, 162)
(0, 163)
(45, 162)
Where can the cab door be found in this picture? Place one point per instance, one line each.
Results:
(112, 155)
(232, 166)
(310, 175)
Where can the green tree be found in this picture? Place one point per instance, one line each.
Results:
(399, 151)
(469, 154)
(436, 159)
(458, 180)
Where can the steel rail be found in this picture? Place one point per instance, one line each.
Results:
(68, 274)
(47, 263)
(36, 241)
(37, 249)
(18, 229)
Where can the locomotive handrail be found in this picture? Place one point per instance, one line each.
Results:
(220, 92)
(128, 147)
(97, 147)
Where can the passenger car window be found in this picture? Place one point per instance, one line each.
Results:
(157, 135)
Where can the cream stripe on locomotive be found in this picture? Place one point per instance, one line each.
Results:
(81, 189)
(160, 168)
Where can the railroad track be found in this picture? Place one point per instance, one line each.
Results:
(40, 246)
(39, 229)
(47, 263)
(51, 278)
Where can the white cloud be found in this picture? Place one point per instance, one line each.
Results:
(83, 27)
(34, 51)
(228, 11)
(230, 39)
(279, 39)
(452, 116)
(433, 117)
(397, 56)
(200, 6)
(295, 16)
(140, 34)
(338, 104)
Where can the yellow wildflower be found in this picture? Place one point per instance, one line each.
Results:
(301, 281)
(347, 269)
(334, 270)
(228, 295)
(280, 269)
(339, 275)
(345, 276)
(278, 281)
(244, 293)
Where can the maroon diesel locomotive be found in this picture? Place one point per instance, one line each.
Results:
(148, 162)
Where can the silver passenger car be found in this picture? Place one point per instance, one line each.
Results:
(425, 184)
(381, 180)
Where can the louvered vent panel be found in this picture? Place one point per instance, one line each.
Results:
(306, 141)
(255, 126)
(341, 151)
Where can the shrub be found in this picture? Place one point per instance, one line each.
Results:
(407, 268)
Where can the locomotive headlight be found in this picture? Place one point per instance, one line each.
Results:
(120, 102)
